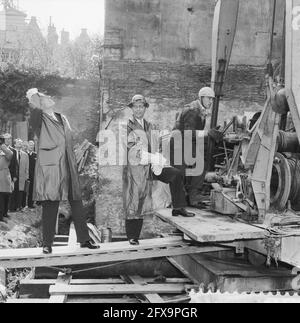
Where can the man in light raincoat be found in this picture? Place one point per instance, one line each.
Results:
(56, 176)
(145, 164)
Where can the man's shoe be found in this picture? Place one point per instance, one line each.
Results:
(47, 250)
(134, 242)
(89, 245)
(182, 212)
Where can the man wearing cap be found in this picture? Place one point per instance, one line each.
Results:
(193, 118)
(145, 164)
(5, 177)
(56, 176)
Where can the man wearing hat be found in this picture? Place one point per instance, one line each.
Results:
(56, 176)
(5, 177)
(144, 165)
(193, 118)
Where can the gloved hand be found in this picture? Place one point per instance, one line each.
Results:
(216, 135)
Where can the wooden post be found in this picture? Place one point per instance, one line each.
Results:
(2, 276)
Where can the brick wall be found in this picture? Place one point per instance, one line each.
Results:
(169, 86)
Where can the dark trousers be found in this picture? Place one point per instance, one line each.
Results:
(13, 203)
(175, 179)
(24, 199)
(30, 194)
(194, 184)
(49, 217)
(4, 201)
(133, 228)
(20, 199)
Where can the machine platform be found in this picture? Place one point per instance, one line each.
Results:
(209, 227)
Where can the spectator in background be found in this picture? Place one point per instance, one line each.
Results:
(25, 146)
(5, 178)
(13, 168)
(32, 160)
(23, 174)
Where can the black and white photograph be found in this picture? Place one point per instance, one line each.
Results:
(149, 154)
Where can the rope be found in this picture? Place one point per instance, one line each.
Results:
(275, 232)
(70, 271)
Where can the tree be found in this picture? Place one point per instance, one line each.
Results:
(80, 59)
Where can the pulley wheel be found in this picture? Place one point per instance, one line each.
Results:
(281, 181)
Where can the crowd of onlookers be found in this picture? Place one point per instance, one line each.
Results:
(21, 159)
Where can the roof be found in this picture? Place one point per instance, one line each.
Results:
(13, 12)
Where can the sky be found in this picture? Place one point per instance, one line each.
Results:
(70, 15)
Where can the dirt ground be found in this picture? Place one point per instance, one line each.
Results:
(21, 230)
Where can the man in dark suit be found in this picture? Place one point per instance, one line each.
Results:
(14, 170)
(193, 118)
(32, 160)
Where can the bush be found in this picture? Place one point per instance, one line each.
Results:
(14, 85)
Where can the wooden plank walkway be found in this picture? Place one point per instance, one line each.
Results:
(210, 227)
(111, 252)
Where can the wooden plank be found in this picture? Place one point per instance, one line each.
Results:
(28, 301)
(74, 281)
(151, 298)
(2, 277)
(100, 281)
(101, 258)
(173, 280)
(62, 281)
(72, 241)
(60, 244)
(127, 289)
(177, 300)
(70, 251)
(94, 234)
(98, 256)
(103, 300)
(207, 226)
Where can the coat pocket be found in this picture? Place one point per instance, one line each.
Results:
(49, 157)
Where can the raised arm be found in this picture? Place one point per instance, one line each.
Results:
(8, 153)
